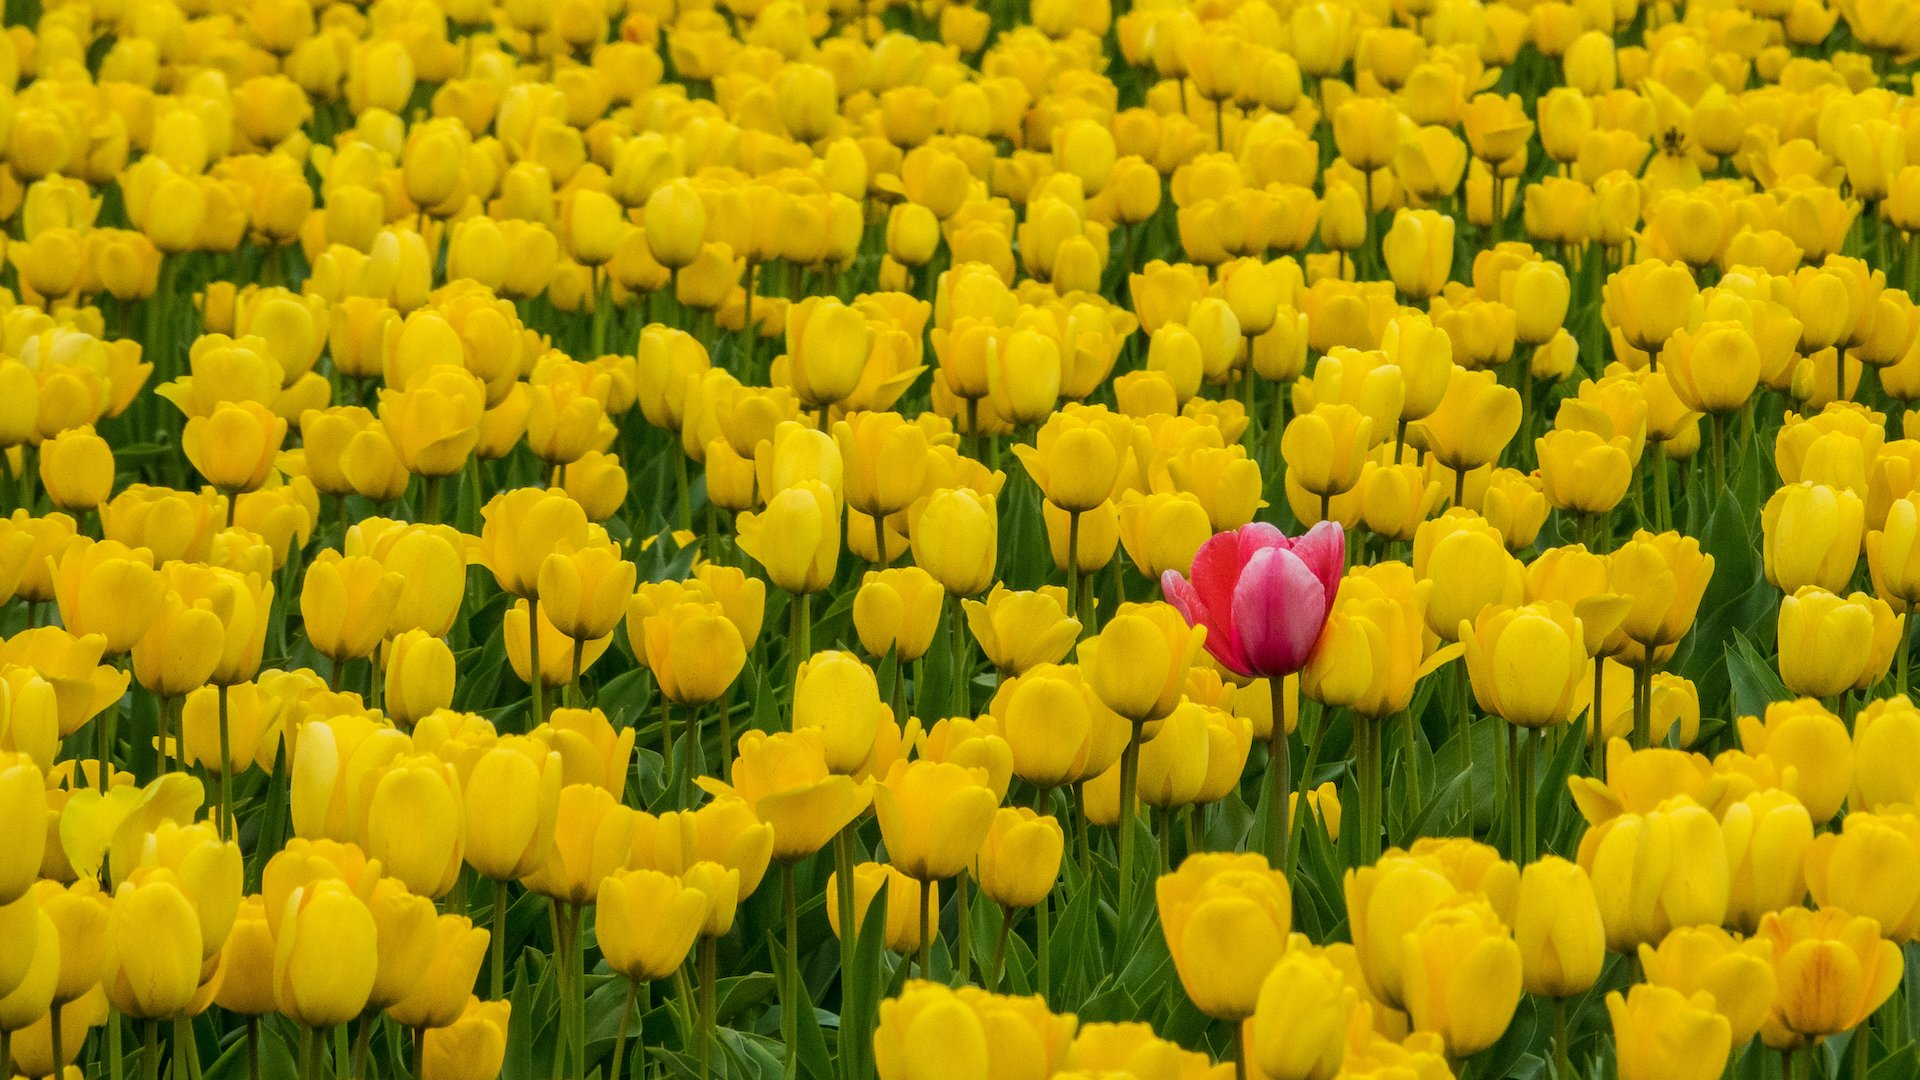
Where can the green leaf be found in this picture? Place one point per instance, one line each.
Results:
(1754, 683)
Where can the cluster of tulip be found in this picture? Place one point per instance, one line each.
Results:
(1177, 540)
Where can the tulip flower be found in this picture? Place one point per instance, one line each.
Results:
(1662, 1032)
(1831, 971)
(1227, 920)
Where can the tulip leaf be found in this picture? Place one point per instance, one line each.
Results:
(1754, 683)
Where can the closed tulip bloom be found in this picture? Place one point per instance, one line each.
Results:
(1462, 973)
(1582, 472)
(347, 603)
(104, 587)
(1886, 754)
(403, 925)
(955, 538)
(646, 922)
(1811, 535)
(1893, 558)
(1557, 927)
(838, 696)
(1831, 972)
(1300, 1019)
(1226, 920)
(1812, 749)
(1419, 252)
(1865, 868)
(1077, 456)
(1665, 576)
(1526, 663)
(179, 651)
(1663, 1034)
(694, 651)
(1768, 834)
(23, 808)
(796, 538)
(440, 997)
(79, 914)
(1260, 596)
(1058, 731)
(512, 798)
(886, 457)
(1326, 448)
(1649, 301)
(1137, 665)
(1020, 630)
(246, 962)
(1734, 972)
(520, 528)
(1163, 530)
(413, 823)
(153, 949)
(898, 611)
(1019, 860)
(902, 933)
(591, 750)
(76, 468)
(419, 676)
(1714, 367)
(473, 1045)
(1827, 643)
(1658, 870)
(592, 835)
(1467, 561)
(785, 779)
(234, 446)
(582, 589)
(933, 816)
(827, 348)
(1367, 132)
(1473, 423)
(326, 955)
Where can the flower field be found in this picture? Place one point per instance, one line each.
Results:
(945, 540)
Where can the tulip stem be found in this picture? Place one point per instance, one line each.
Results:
(1857, 1050)
(309, 1052)
(1000, 948)
(533, 662)
(1043, 946)
(1280, 770)
(682, 499)
(880, 559)
(666, 738)
(790, 994)
(620, 1040)
(963, 967)
(1410, 746)
(849, 933)
(1643, 704)
(226, 766)
(1596, 715)
(362, 1042)
(1906, 656)
(1562, 1042)
(926, 930)
(800, 637)
(1719, 452)
(497, 976)
(1129, 779)
(577, 1001)
(709, 974)
(1464, 709)
(1073, 565)
(1240, 1050)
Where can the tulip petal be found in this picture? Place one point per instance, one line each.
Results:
(1279, 610)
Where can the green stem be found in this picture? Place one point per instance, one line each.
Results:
(1643, 702)
(253, 1048)
(620, 1040)
(1073, 564)
(851, 986)
(962, 692)
(1043, 946)
(1410, 742)
(999, 967)
(226, 766)
(362, 1040)
(790, 993)
(1597, 748)
(1129, 780)
(309, 1052)
(963, 940)
(1562, 1043)
(709, 975)
(1464, 710)
(497, 977)
(533, 662)
(1280, 775)
(800, 636)
(926, 930)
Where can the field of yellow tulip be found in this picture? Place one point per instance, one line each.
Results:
(959, 539)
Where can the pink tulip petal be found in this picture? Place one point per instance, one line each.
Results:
(1180, 593)
(1324, 550)
(1216, 568)
(1279, 609)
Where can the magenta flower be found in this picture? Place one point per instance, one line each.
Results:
(1262, 595)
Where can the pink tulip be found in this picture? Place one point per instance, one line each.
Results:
(1262, 596)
